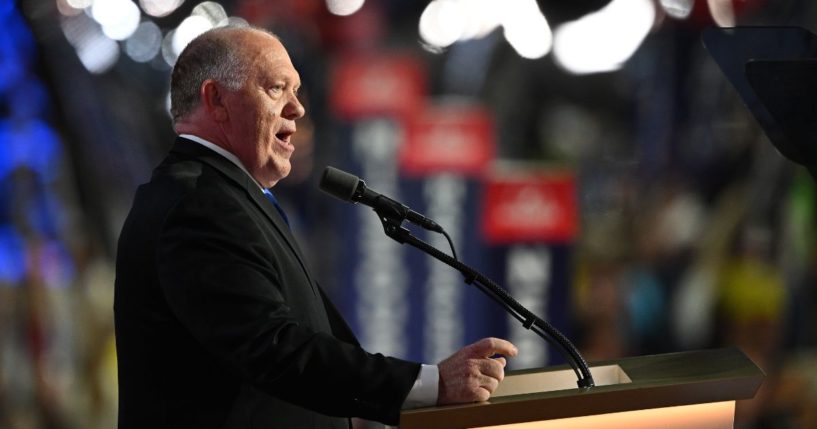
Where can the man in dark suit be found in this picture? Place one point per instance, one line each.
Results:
(219, 321)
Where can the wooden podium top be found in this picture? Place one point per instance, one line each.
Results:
(634, 383)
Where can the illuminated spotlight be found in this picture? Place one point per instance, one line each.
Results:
(344, 7)
(79, 4)
(188, 30)
(67, 9)
(212, 11)
(98, 53)
(526, 29)
(167, 48)
(77, 28)
(481, 17)
(145, 42)
(602, 41)
(442, 23)
(167, 105)
(723, 12)
(233, 21)
(107, 12)
(126, 23)
(160, 8)
(678, 9)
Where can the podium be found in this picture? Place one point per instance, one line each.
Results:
(695, 389)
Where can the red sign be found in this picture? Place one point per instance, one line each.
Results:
(377, 85)
(530, 208)
(448, 138)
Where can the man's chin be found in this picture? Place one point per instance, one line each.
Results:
(280, 172)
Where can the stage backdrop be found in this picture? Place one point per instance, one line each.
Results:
(515, 225)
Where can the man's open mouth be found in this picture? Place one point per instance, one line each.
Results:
(284, 135)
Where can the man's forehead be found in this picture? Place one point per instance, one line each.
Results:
(275, 64)
(269, 49)
(259, 41)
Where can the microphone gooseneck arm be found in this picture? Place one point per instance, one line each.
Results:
(391, 213)
(530, 321)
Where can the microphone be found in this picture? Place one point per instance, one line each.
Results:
(348, 187)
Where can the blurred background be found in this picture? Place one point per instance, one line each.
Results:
(588, 155)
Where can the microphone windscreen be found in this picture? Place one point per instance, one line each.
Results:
(339, 183)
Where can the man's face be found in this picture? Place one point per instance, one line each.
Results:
(263, 111)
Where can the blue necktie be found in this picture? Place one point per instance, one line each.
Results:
(277, 206)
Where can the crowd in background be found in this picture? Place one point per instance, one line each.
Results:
(695, 233)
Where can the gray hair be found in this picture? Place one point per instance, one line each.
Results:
(215, 55)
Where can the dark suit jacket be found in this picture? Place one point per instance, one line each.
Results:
(219, 322)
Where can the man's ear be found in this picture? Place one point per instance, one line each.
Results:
(212, 99)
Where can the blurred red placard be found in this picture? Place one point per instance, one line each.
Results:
(535, 207)
(448, 138)
(371, 85)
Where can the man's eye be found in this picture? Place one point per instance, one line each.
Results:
(277, 88)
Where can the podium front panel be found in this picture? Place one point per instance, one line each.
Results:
(717, 415)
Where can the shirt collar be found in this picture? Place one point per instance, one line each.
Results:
(223, 152)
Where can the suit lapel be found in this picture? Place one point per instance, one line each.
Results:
(240, 178)
(279, 223)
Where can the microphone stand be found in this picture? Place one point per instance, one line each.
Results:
(392, 225)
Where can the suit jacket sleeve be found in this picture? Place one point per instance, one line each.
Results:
(220, 278)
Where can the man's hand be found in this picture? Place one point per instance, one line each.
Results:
(470, 374)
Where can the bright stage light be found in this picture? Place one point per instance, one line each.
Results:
(480, 18)
(121, 24)
(212, 11)
(678, 9)
(602, 41)
(526, 29)
(79, 4)
(442, 23)
(159, 8)
(723, 12)
(97, 52)
(145, 42)
(344, 7)
(445, 22)
(189, 29)
(67, 9)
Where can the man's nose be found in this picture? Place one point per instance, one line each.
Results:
(293, 109)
